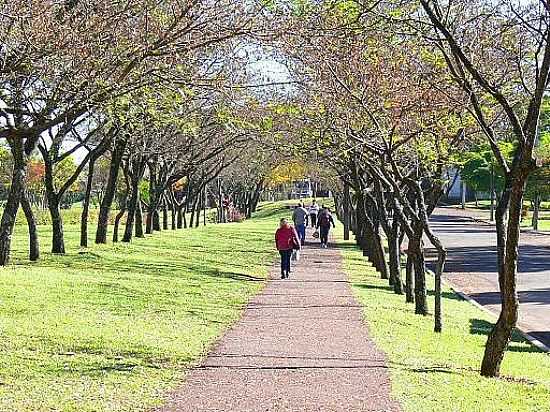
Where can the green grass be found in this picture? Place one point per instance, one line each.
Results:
(440, 372)
(113, 328)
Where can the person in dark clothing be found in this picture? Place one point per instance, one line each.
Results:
(324, 221)
(300, 222)
(286, 240)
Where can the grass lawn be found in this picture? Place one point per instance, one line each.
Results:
(114, 327)
(433, 372)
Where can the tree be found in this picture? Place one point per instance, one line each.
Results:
(471, 38)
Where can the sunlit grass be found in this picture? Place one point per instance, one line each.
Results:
(440, 372)
(113, 327)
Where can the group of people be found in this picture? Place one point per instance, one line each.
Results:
(290, 238)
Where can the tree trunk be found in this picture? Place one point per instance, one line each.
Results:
(192, 218)
(419, 265)
(440, 266)
(133, 205)
(86, 205)
(204, 205)
(156, 220)
(164, 215)
(34, 247)
(184, 218)
(110, 190)
(118, 216)
(381, 256)
(179, 216)
(199, 208)
(58, 244)
(149, 222)
(346, 211)
(409, 279)
(139, 219)
(173, 211)
(507, 260)
(394, 249)
(10, 209)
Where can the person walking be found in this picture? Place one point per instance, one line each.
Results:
(324, 222)
(286, 240)
(313, 211)
(300, 219)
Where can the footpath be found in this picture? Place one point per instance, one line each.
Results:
(301, 345)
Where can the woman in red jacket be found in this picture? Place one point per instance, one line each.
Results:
(286, 240)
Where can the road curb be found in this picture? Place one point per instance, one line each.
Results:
(534, 341)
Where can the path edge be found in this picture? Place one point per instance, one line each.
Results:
(197, 363)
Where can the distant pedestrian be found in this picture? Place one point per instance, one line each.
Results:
(324, 222)
(300, 219)
(286, 240)
(313, 211)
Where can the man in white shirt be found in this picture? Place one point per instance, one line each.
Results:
(313, 211)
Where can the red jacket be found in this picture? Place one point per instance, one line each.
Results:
(285, 238)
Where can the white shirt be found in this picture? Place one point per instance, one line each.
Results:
(313, 209)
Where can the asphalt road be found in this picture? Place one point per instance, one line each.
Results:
(471, 266)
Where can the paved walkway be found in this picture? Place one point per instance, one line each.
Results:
(471, 267)
(301, 345)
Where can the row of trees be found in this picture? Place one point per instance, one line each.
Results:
(386, 94)
(391, 93)
(131, 98)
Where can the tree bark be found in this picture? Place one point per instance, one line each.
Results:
(346, 211)
(118, 217)
(10, 210)
(86, 205)
(58, 243)
(511, 201)
(110, 190)
(173, 212)
(164, 215)
(394, 248)
(179, 216)
(417, 253)
(409, 279)
(34, 246)
(156, 220)
(133, 204)
(139, 219)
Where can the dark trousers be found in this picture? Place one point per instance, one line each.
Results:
(323, 234)
(313, 220)
(285, 260)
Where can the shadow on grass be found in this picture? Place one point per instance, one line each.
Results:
(341, 245)
(450, 370)
(446, 295)
(483, 327)
(375, 287)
